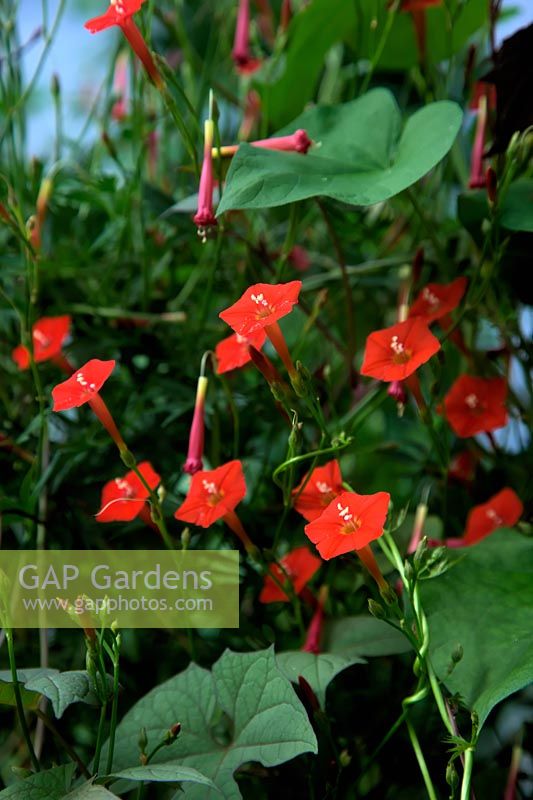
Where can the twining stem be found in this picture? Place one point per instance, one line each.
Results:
(391, 14)
(99, 738)
(114, 706)
(421, 760)
(18, 700)
(467, 774)
(157, 512)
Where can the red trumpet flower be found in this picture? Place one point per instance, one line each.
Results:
(260, 307)
(120, 12)
(350, 522)
(313, 638)
(196, 437)
(205, 218)
(323, 486)
(213, 495)
(234, 351)
(241, 54)
(437, 300)
(394, 353)
(124, 498)
(476, 405)
(48, 335)
(504, 509)
(297, 142)
(83, 387)
(299, 566)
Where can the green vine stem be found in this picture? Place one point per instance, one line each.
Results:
(18, 700)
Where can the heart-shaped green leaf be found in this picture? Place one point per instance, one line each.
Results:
(485, 605)
(363, 636)
(65, 688)
(362, 155)
(266, 721)
(169, 772)
(318, 670)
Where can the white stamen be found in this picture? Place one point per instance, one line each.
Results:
(241, 339)
(471, 401)
(494, 517)
(323, 488)
(344, 513)
(210, 487)
(124, 486)
(41, 338)
(259, 299)
(89, 387)
(429, 297)
(396, 346)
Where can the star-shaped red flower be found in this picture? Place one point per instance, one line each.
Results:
(322, 487)
(436, 300)
(260, 306)
(300, 565)
(392, 354)
(349, 523)
(504, 509)
(117, 14)
(232, 352)
(83, 385)
(476, 405)
(123, 499)
(49, 334)
(213, 494)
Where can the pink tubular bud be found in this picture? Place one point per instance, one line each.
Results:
(314, 632)
(477, 175)
(195, 452)
(205, 218)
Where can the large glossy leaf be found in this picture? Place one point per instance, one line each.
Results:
(516, 213)
(363, 636)
(52, 784)
(266, 721)
(318, 670)
(362, 156)
(65, 688)
(485, 605)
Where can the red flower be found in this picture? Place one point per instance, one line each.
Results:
(477, 173)
(394, 353)
(83, 385)
(436, 300)
(49, 334)
(299, 258)
(463, 467)
(504, 509)
(299, 566)
(322, 487)
(260, 306)
(212, 494)
(233, 351)
(123, 499)
(120, 13)
(476, 405)
(349, 523)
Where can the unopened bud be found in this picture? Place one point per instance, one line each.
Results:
(376, 609)
(345, 758)
(55, 86)
(457, 653)
(142, 740)
(185, 538)
(173, 733)
(452, 778)
(492, 185)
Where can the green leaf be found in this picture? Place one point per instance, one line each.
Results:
(516, 213)
(90, 791)
(166, 773)
(349, 163)
(485, 605)
(318, 670)
(30, 699)
(244, 710)
(65, 688)
(49, 785)
(363, 636)
(310, 35)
